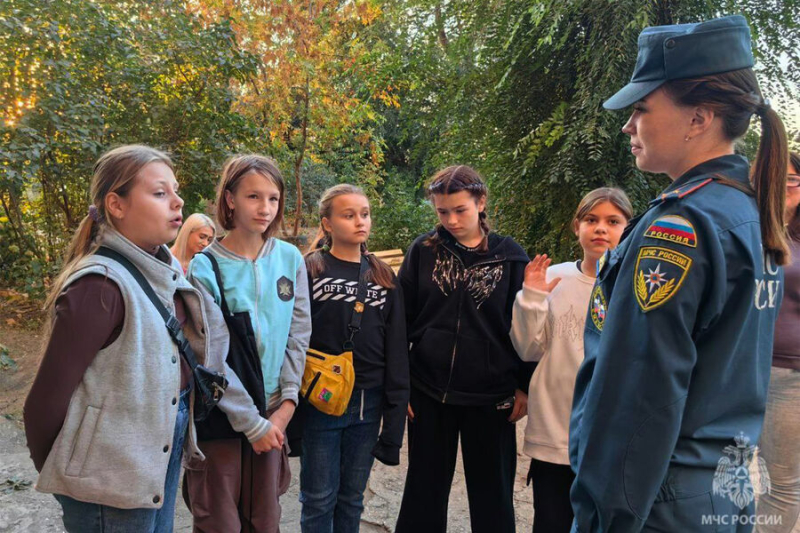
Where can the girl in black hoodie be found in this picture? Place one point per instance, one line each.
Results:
(459, 283)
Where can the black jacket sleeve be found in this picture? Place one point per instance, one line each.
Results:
(409, 280)
(396, 382)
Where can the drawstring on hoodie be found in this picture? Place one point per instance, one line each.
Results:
(361, 414)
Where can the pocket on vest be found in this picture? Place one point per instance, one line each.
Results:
(83, 441)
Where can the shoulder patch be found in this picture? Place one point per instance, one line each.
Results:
(660, 272)
(673, 228)
(285, 289)
(681, 192)
(598, 309)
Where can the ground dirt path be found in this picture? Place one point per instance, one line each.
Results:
(24, 510)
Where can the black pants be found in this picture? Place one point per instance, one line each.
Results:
(489, 449)
(552, 510)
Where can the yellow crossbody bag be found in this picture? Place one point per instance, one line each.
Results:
(328, 379)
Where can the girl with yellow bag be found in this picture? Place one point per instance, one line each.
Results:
(358, 328)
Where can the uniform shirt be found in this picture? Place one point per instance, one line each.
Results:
(678, 347)
(380, 353)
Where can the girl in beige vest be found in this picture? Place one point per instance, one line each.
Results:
(109, 415)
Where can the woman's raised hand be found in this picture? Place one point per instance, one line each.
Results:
(536, 274)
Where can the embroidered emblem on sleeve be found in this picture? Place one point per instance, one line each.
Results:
(660, 272)
(285, 289)
(598, 309)
(673, 228)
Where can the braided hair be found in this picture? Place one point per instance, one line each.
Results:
(454, 179)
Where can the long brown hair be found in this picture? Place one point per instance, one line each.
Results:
(379, 272)
(612, 195)
(115, 171)
(236, 168)
(735, 97)
(793, 224)
(454, 179)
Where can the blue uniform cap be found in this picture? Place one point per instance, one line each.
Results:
(685, 51)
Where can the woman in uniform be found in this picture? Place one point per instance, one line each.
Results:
(670, 399)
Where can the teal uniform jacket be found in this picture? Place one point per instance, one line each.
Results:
(670, 399)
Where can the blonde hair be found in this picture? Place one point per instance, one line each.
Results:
(194, 223)
(236, 168)
(379, 272)
(115, 171)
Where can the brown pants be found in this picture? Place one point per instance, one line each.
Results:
(235, 489)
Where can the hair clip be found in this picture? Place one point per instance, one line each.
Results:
(94, 213)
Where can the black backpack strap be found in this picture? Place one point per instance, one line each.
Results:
(218, 275)
(172, 324)
(358, 306)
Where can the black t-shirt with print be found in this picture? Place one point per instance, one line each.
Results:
(333, 295)
(380, 355)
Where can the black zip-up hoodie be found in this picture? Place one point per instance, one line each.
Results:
(458, 318)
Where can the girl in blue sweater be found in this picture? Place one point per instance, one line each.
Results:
(236, 489)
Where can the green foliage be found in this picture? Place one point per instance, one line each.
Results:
(376, 93)
(515, 89)
(85, 76)
(398, 214)
(6, 362)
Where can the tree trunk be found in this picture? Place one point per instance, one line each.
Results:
(298, 162)
(14, 215)
(441, 34)
(664, 13)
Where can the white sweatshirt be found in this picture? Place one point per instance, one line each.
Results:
(549, 328)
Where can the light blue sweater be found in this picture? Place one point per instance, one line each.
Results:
(273, 288)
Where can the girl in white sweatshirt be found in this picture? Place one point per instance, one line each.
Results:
(547, 326)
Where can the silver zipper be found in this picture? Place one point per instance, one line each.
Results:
(453, 358)
(255, 309)
(458, 321)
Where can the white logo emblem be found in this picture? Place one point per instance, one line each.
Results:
(732, 478)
